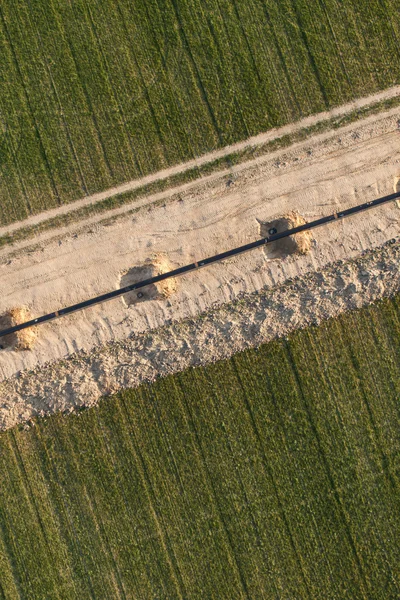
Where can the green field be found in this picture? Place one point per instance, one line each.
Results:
(272, 475)
(97, 93)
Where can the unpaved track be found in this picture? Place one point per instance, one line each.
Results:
(206, 158)
(345, 168)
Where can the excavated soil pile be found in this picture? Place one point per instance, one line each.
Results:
(22, 340)
(156, 266)
(300, 243)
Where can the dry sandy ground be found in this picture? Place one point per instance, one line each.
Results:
(83, 378)
(318, 177)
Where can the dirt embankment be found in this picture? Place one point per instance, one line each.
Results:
(254, 319)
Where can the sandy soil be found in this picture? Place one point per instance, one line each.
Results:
(249, 321)
(209, 157)
(318, 177)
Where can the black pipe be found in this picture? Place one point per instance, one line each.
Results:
(197, 265)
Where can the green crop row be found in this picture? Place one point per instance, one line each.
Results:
(97, 93)
(271, 475)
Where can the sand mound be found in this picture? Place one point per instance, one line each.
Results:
(162, 265)
(303, 239)
(157, 265)
(300, 243)
(22, 340)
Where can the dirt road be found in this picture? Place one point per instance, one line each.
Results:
(315, 178)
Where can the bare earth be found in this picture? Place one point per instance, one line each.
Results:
(249, 321)
(315, 178)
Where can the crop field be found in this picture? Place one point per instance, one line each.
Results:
(97, 93)
(272, 475)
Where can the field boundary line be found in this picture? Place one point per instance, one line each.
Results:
(252, 142)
